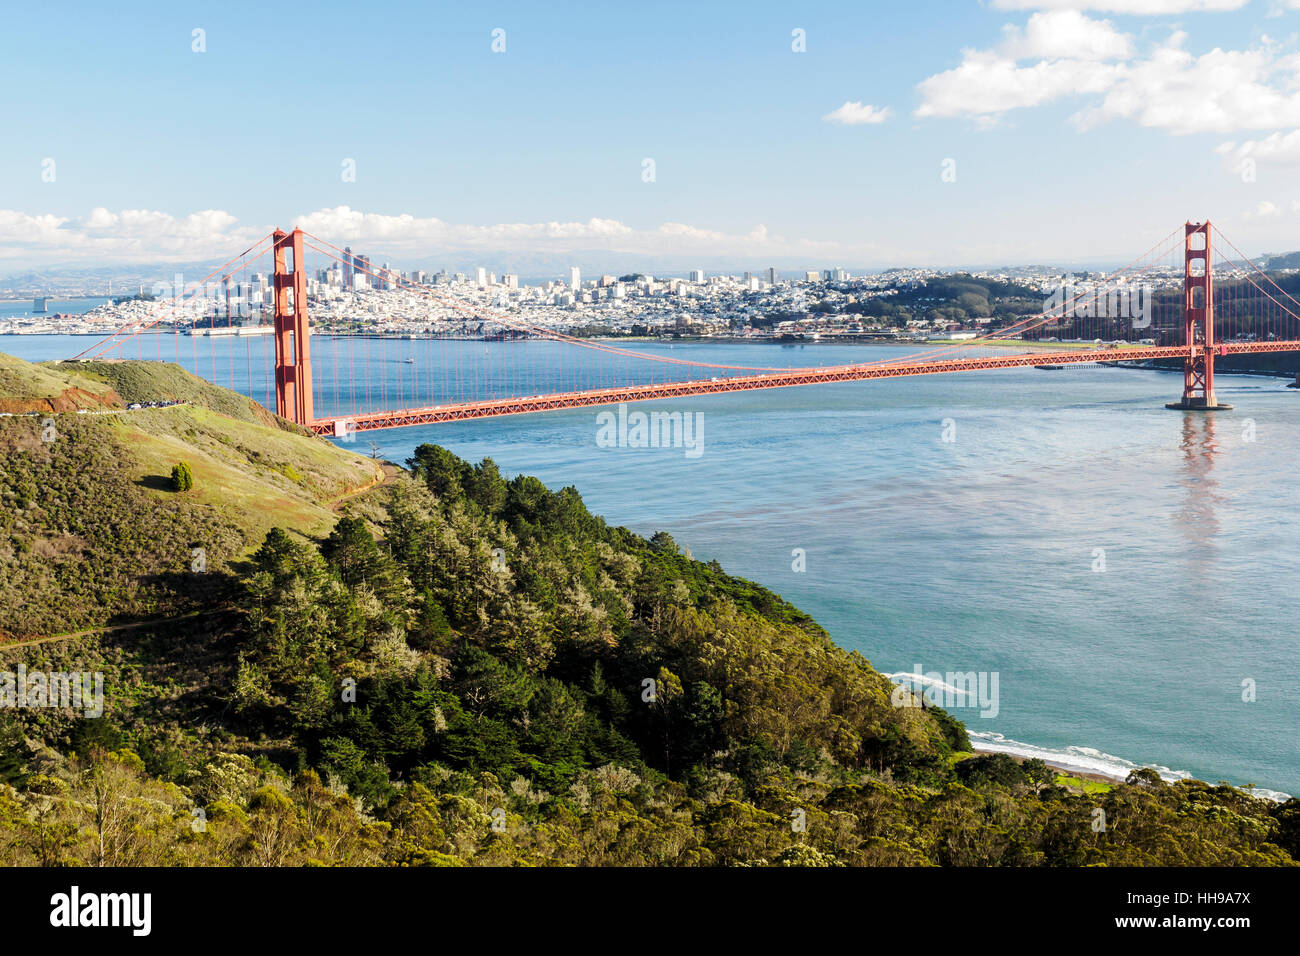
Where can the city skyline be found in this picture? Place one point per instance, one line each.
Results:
(936, 136)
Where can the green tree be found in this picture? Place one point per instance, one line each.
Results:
(663, 543)
(439, 469)
(356, 558)
(182, 477)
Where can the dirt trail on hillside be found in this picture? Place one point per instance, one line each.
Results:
(389, 473)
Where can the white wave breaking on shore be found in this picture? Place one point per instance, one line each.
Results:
(1090, 760)
(927, 680)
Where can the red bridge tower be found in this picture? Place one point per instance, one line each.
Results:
(292, 331)
(1198, 321)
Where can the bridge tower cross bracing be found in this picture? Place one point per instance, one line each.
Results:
(293, 390)
(1198, 320)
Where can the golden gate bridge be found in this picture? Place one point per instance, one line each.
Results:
(1202, 306)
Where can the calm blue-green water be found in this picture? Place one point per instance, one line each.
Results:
(22, 308)
(1126, 571)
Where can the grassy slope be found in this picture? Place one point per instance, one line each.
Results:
(137, 381)
(25, 387)
(90, 532)
(256, 476)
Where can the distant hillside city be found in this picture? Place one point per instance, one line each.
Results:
(355, 296)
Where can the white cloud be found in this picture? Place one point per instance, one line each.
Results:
(127, 235)
(1065, 34)
(150, 236)
(857, 114)
(344, 223)
(1276, 149)
(679, 230)
(1132, 7)
(1218, 92)
(409, 235)
(1073, 54)
(1267, 209)
(987, 83)
(1168, 88)
(19, 227)
(101, 218)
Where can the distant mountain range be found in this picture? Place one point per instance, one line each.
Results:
(531, 267)
(1282, 260)
(78, 280)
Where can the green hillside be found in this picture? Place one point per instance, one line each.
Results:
(140, 381)
(91, 531)
(470, 669)
(25, 387)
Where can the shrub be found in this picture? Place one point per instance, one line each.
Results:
(182, 477)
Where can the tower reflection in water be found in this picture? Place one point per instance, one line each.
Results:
(1198, 518)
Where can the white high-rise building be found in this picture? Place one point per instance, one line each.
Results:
(697, 275)
(575, 279)
(511, 280)
(482, 278)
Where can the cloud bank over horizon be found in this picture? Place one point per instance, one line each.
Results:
(139, 235)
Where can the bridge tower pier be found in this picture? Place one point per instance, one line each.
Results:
(1198, 322)
(293, 395)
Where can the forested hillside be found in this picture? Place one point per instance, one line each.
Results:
(91, 532)
(461, 668)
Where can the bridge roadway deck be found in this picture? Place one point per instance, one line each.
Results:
(521, 405)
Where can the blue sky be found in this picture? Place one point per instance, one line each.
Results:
(1085, 131)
